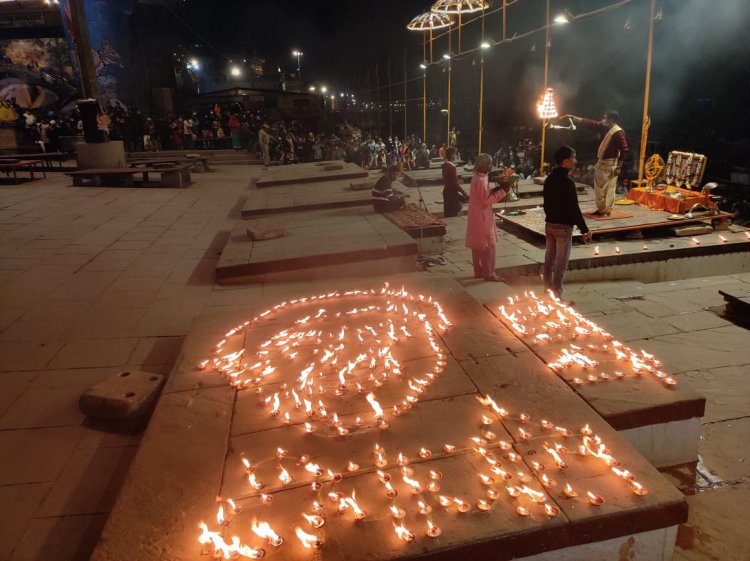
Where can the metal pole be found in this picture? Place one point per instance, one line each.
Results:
(390, 100)
(377, 92)
(89, 83)
(481, 91)
(504, 6)
(646, 93)
(546, 72)
(450, 64)
(459, 33)
(424, 94)
(430, 45)
(406, 99)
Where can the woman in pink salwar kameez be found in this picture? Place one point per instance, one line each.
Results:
(481, 234)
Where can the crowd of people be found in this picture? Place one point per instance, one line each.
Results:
(224, 126)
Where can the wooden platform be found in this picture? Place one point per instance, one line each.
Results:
(320, 243)
(641, 219)
(309, 173)
(416, 222)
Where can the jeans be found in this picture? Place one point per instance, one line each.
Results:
(559, 240)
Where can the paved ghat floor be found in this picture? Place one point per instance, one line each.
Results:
(97, 280)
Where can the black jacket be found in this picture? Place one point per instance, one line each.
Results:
(561, 200)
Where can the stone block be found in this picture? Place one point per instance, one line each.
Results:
(103, 155)
(361, 186)
(126, 394)
(257, 234)
(692, 230)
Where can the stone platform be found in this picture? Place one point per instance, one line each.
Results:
(335, 193)
(622, 385)
(519, 435)
(325, 243)
(530, 198)
(640, 218)
(309, 173)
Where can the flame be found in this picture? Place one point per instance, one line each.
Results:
(284, 476)
(264, 530)
(404, 533)
(308, 540)
(315, 520)
(375, 405)
(227, 550)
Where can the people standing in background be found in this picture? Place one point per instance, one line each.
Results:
(562, 213)
(453, 194)
(481, 232)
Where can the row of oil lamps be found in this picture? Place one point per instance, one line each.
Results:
(546, 321)
(318, 357)
(428, 490)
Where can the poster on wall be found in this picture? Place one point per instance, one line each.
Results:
(35, 74)
(109, 34)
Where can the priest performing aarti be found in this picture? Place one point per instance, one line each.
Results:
(613, 149)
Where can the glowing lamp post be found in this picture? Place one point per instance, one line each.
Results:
(458, 8)
(547, 110)
(427, 22)
(298, 54)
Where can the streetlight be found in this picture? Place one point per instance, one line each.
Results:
(312, 88)
(323, 89)
(298, 54)
(427, 23)
(194, 64)
(235, 71)
(485, 45)
(564, 17)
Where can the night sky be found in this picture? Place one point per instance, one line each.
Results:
(701, 75)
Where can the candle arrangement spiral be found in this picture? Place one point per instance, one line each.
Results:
(325, 372)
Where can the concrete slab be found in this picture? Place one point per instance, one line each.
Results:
(317, 239)
(717, 526)
(307, 196)
(438, 419)
(309, 173)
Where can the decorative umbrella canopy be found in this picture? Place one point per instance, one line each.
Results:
(459, 6)
(430, 21)
(546, 107)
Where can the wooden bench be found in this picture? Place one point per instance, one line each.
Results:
(13, 165)
(99, 176)
(199, 163)
(45, 157)
(170, 175)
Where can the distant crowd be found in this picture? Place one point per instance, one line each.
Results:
(225, 126)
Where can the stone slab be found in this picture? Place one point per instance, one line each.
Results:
(309, 173)
(316, 239)
(318, 195)
(126, 394)
(437, 419)
(626, 403)
(154, 491)
(717, 526)
(640, 218)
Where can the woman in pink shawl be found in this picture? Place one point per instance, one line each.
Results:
(481, 235)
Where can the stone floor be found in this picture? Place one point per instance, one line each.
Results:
(96, 280)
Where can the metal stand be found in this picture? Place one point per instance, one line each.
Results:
(420, 204)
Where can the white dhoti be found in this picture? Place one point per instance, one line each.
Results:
(605, 184)
(266, 155)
